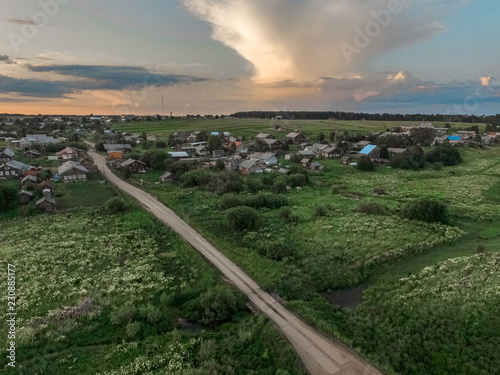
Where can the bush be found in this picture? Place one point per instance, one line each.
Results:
(413, 160)
(438, 166)
(122, 314)
(132, 329)
(321, 211)
(241, 218)
(446, 154)
(197, 177)
(297, 180)
(366, 164)
(426, 209)
(278, 250)
(263, 200)
(115, 205)
(279, 187)
(218, 304)
(372, 209)
(285, 213)
(230, 201)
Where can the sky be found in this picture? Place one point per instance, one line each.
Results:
(223, 56)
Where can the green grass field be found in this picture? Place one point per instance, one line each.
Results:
(340, 248)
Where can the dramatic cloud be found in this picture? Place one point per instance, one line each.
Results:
(102, 77)
(87, 77)
(6, 59)
(303, 40)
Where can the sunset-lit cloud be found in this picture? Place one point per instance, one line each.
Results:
(485, 81)
(308, 39)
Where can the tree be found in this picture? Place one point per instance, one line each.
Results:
(366, 164)
(446, 154)
(214, 142)
(332, 136)
(321, 137)
(218, 304)
(426, 209)
(384, 153)
(115, 205)
(241, 218)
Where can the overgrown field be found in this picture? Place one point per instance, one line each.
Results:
(103, 294)
(344, 228)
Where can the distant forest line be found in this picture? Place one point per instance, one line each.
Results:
(352, 116)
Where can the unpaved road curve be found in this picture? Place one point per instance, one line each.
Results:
(319, 355)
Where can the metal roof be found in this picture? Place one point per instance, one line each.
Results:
(69, 165)
(367, 149)
(179, 154)
(452, 138)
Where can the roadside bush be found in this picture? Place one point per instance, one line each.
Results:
(115, 205)
(230, 201)
(448, 155)
(218, 304)
(241, 218)
(372, 209)
(426, 209)
(366, 164)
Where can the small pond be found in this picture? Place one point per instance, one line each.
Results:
(350, 298)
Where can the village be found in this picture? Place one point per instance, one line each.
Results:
(29, 159)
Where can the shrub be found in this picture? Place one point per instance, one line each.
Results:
(278, 250)
(426, 209)
(437, 166)
(123, 314)
(413, 160)
(279, 187)
(285, 213)
(297, 180)
(366, 164)
(263, 200)
(321, 211)
(241, 218)
(132, 329)
(255, 185)
(218, 304)
(230, 201)
(372, 209)
(445, 154)
(115, 205)
(197, 177)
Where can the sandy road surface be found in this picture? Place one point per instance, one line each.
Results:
(319, 355)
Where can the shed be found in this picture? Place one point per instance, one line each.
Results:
(24, 197)
(166, 177)
(46, 204)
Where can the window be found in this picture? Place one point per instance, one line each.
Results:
(74, 177)
(1, 173)
(7, 173)
(65, 177)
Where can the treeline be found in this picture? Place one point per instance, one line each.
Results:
(348, 116)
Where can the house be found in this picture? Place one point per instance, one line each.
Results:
(72, 171)
(13, 170)
(68, 153)
(487, 140)
(134, 166)
(439, 140)
(396, 151)
(295, 137)
(24, 197)
(117, 147)
(267, 158)
(179, 155)
(306, 163)
(263, 136)
(45, 185)
(41, 139)
(361, 145)
(202, 150)
(306, 154)
(248, 167)
(193, 137)
(7, 155)
(315, 166)
(232, 163)
(283, 171)
(46, 204)
(239, 147)
(32, 154)
(346, 160)
(115, 154)
(274, 144)
(166, 177)
(372, 151)
(330, 152)
(92, 168)
(454, 139)
(218, 153)
(28, 181)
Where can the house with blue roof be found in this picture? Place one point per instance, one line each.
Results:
(372, 151)
(454, 139)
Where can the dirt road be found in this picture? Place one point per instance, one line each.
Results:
(319, 355)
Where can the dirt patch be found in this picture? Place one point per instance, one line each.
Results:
(350, 298)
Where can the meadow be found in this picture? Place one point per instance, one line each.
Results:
(318, 239)
(102, 293)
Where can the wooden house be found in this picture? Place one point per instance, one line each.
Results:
(248, 167)
(72, 172)
(7, 155)
(115, 154)
(135, 166)
(24, 197)
(331, 152)
(295, 138)
(46, 204)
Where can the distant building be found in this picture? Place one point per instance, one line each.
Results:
(72, 172)
(134, 166)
